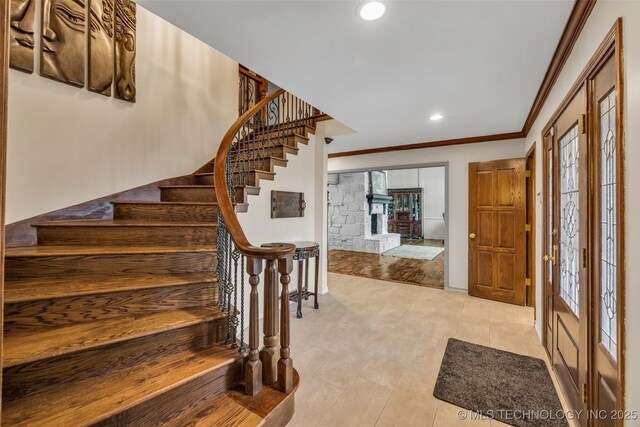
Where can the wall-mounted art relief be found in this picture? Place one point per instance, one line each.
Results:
(100, 48)
(125, 53)
(97, 34)
(62, 54)
(22, 34)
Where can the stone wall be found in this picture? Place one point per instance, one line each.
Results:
(349, 219)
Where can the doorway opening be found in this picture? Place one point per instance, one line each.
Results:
(390, 224)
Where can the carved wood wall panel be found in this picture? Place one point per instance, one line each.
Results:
(22, 27)
(125, 34)
(62, 34)
(101, 30)
(96, 36)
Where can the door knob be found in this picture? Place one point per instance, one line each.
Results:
(472, 235)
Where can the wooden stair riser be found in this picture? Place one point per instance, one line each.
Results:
(58, 312)
(289, 128)
(203, 194)
(187, 235)
(106, 264)
(267, 165)
(274, 138)
(44, 375)
(188, 194)
(163, 409)
(278, 151)
(165, 212)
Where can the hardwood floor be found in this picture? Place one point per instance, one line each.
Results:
(411, 271)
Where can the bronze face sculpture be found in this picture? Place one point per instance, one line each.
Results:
(22, 40)
(125, 87)
(101, 46)
(63, 38)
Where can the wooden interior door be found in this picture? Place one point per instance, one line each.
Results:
(497, 243)
(570, 279)
(607, 242)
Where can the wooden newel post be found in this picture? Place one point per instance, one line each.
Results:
(253, 370)
(285, 364)
(268, 354)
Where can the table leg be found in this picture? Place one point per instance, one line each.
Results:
(306, 279)
(300, 268)
(315, 296)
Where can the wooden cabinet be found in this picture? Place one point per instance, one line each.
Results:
(405, 212)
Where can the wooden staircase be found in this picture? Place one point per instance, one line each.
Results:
(115, 323)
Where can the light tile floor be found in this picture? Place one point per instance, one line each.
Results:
(371, 355)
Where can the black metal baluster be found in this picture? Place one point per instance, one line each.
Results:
(242, 270)
(235, 255)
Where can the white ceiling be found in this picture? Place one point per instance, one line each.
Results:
(480, 63)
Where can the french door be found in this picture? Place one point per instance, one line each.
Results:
(569, 238)
(584, 241)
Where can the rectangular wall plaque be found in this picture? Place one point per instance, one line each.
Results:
(287, 204)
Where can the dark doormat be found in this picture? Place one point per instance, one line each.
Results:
(505, 386)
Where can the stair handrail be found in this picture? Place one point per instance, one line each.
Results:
(258, 140)
(225, 204)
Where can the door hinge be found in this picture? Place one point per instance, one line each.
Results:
(527, 281)
(584, 258)
(584, 392)
(552, 131)
(527, 227)
(582, 123)
(527, 174)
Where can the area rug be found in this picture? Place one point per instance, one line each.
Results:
(501, 385)
(415, 252)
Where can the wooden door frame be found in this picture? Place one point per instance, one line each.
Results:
(531, 237)
(611, 45)
(4, 89)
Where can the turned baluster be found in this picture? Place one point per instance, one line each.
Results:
(268, 354)
(253, 371)
(285, 364)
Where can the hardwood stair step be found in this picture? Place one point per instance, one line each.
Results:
(52, 287)
(73, 261)
(251, 177)
(202, 193)
(150, 393)
(277, 151)
(22, 348)
(40, 303)
(98, 232)
(165, 211)
(221, 411)
(291, 127)
(290, 139)
(266, 164)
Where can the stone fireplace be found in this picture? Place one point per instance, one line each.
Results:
(354, 223)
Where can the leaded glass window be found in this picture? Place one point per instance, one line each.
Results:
(570, 220)
(608, 268)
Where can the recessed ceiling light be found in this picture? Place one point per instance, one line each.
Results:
(436, 117)
(372, 10)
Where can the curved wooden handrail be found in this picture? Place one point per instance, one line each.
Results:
(272, 250)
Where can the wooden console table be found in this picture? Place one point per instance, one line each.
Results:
(304, 251)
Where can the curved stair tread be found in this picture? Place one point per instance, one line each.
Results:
(93, 400)
(79, 250)
(20, 348)
(122, 223)
(40, 288)
(159, 202)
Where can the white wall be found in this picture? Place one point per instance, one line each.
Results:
(599, 23)
(69, 145)
(458, 159)
(432, 182)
